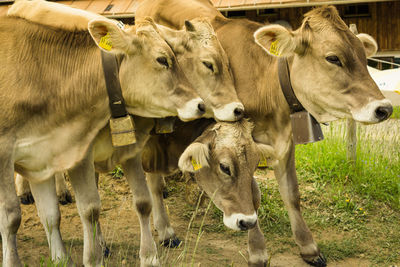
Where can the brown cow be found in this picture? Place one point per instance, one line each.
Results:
(328, 73)
(54, 102)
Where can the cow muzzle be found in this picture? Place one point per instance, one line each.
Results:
(240, 221)
(229, 112)
(192, 110)
(374, 112)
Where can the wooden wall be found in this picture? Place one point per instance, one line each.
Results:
(383, 23)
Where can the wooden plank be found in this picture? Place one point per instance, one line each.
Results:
(132, 7)
(82, 4)
(98, 6)
(119, 7)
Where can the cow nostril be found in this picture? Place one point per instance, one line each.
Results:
(242, 225)
(201, 107)
(382, 113)
(245, 225)
(239, 112)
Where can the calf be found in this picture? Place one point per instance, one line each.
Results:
(223, 158)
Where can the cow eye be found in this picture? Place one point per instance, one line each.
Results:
(225, 169)
(163, 61)
(334, 60)
(208, 65)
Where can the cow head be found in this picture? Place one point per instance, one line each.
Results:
(223, 160)
(206, 65)
(152, 81)
(328, 67)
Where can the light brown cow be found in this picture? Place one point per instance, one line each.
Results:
(328, 73)
(54, 102)
(223, 158)
(204, 61)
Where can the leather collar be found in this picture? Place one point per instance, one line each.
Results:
(284, 80)
(111, 76)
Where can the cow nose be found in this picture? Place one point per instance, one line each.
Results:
(239, 112)
(246, 225)
(201, 107)
(383, 112)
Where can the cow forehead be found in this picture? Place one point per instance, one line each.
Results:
(153, 40)
(330, 32)
(235, 136)
(322, 18)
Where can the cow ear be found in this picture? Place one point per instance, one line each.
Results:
(278, 41)
(110, 37)
(369, 43)
(194, 157)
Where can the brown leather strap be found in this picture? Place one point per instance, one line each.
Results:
(284, 80)
(111, 76)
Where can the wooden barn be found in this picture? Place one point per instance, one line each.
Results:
(379, 18)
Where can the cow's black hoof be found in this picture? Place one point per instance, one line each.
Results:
(106, 252)
(173, 242)
(165, 194)
(65, 198)
(27, 199)
(318, 261)
(258, 264)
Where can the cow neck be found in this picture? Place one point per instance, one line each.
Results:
(111, 76)
(286, 86)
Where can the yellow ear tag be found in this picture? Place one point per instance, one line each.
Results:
(397, 91)
(105, 42)
(274, 48)
(263, 162)
(196, 165)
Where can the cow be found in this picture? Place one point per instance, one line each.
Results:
(54, 103)
(328, 73)
(222, 158)
(200, 54)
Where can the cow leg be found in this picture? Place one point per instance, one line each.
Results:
(258, 256)
(10, 210)
(87, 198)
(23, 190)
(47, 208)
(285, 173)
(63, 194)
(166, 233)
(142, 201)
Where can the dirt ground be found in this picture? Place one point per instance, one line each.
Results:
(121, 230)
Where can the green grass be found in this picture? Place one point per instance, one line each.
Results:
(396, 113)
(354, 209)
(376, 174)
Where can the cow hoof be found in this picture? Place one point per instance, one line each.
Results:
(149, 262)
(65, 198)
(165, 194)
(173, 242)
(318, 261)
(27, 199)
(258, 264)
(106, 252)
